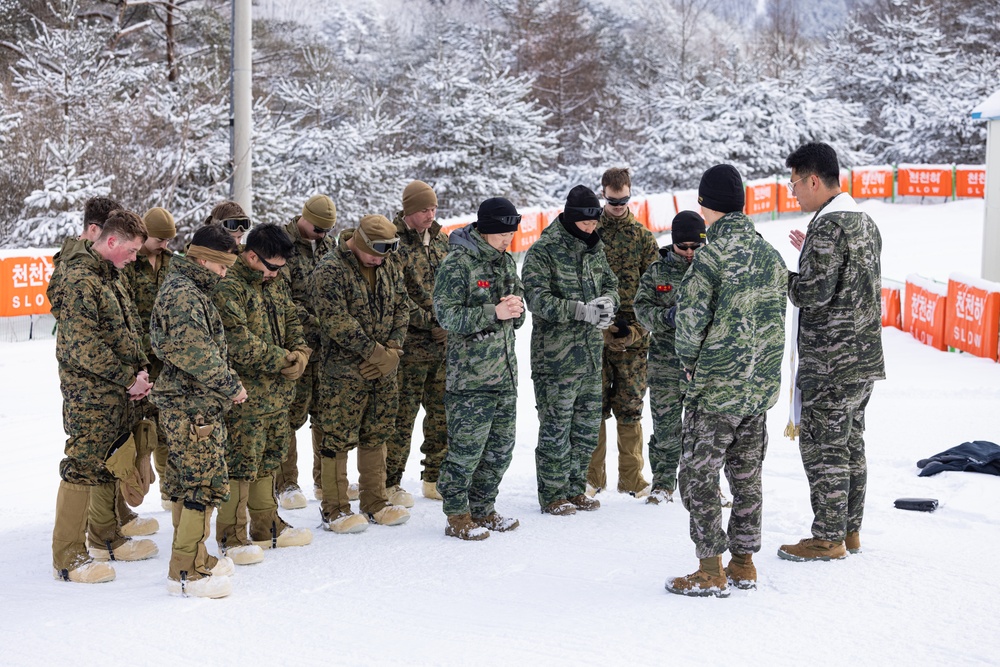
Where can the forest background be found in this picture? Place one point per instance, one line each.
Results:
(519, 98)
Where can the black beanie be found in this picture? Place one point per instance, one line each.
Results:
(687, 227)
(497, 216)
(721, 189)
(581, 204)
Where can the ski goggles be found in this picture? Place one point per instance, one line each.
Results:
(588, 212)
(379, 246)
(240, 224)
(688, 246)
(617, 202)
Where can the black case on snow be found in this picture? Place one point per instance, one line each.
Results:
(917, 504)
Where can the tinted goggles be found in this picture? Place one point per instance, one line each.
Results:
(588, 213)
(617, 202)
(320, 230)
(688, 246)
(236, 224)
(386, 246)
(507, 220)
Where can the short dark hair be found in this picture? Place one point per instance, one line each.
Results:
(97, 209)
(617, 178)
(215, 237)
(268, 241)
(816, 158)
(224, 211)
(123, 224)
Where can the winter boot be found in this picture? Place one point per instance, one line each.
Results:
(70, 560)
(397, 495)
(335, 510)
(741, 572)
(660, 495)
(709, 579)
(104, 538)
(812, 549)
(293, 499)
(643, 492)
(267, 529)
(592, 490)
(559, 508)
(371, 478)
(431, 492)
(231, 526)
(597, 475)
(853, 542)
(390, 515)
(463, 527)
(630, 461)
(582, 502)
(190, 573)
(497, 523)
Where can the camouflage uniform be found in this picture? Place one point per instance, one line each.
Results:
(196, 385)
(481, 393)
(296, 271)
(838, 289)
(730, 336)
(657, 293)
(353, 316)
(421, 370)
(630, 249)
(560, 270)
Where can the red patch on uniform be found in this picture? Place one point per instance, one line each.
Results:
(483, 283)
(664, 288)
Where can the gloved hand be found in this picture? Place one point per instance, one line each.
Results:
(295, 363)
(586, 312)
(369, 371)
(620, 328)
(606, 308)
(439, 335)
(384, 359)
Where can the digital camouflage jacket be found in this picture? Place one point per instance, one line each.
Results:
(419, 264)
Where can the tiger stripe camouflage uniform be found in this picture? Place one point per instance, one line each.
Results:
(838, 291)
(630, 248)
(422, 369)
(730, 336)
(296, 272)
(656, 295)
(558, 271)
(481, 392)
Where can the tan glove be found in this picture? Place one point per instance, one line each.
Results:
(120, 459)
(145, 438)
(385, 359)
(369, 371)
(136, 485)
(296, 361)
(439, 335)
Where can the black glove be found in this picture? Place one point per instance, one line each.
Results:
(621, 327)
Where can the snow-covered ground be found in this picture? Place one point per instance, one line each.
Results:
(586, 589)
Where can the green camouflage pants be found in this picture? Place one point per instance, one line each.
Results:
(709, 443)
(257, 442)
(92, 428)
(420, 383)
(480, 447)
(569, 418)
(196, 463)
(666, 403)
(831, 439)
(355, 414)
(287, 475)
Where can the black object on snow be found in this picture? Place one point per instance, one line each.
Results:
(917, 504)
(975, 456)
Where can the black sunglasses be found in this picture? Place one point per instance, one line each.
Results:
(688, 246)
(320, 230)
(617, 202)
(588, 213)
(268, 265)
(236, 224)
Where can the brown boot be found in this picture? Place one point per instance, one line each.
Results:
(812, 549)
(70, 560)
(630, 461)
(741, 572)
(853, 542)
(560, 508)
(464, 528)
(582, 502)
(709, 579)
(371, 479)
(231, 526)
(497, 523)
(597, 474)
(335, 509)
(104, 538)
(267, 529)
(191, 571)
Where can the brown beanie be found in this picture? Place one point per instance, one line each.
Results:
(159, 223)
(417, 196)
(320, 211)
(375, 228)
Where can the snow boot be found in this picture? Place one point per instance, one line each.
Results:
(643, 492)
(582, 502)
(397, 495)
(191, 573)
(592, 490)
(293, 499)
(559, 508)
(741, 572)
(708, 579)
(853, 542)
(497, 523)
(430, 490)
(660, 495)
(464, 528)
(335, 509)
(390, 515)
(104, 538)
(231, 526)
(267, 529)
(70, 559)
(371, 479)
(812, 549)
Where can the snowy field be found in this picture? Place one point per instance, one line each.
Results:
(581, 590)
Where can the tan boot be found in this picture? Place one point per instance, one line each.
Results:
(371, 478)
(708, 579)
(70, 560)
(397, 495)
(190, 573)
(582, 502)
(430, 491)
(104, 538)
(292, 499)
(741, 572)
(463, 527)
(335, 509)
(853, 542)
(267, 529)
(630, 461)
(597, 474)
(812, 549)
(495, 522)
(390, 515)
(560, 508)
(231, 532)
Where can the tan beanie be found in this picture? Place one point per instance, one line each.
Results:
(417, 196)
(320, 211)
(375, 228)
(159, 223)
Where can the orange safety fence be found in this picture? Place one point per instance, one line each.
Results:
(528, 231)
(23, 283)
(891, 315)
(970, 181)
(761, 197)
(923, 180)
(867, 182)
(973, 315)
(924, 313)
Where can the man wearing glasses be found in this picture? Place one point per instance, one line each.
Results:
(838, 292)
(630, 249)
(233, 219)
(267, 351)
(311, 234)
(422, 248)
(655, 302)
(362, 310)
